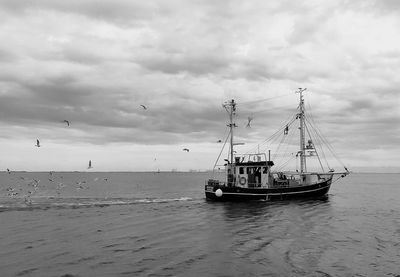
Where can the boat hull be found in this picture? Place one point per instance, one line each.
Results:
(234, 193)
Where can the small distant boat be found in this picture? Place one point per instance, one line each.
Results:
(251, 176)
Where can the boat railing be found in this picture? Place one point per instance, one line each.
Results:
(213, 182)
(297, 173)
(259, 157)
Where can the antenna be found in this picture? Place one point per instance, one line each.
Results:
(302, 138)
(230, 107)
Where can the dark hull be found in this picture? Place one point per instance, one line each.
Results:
(234, 193)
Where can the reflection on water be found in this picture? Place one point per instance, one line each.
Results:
(144, 224)
(255, 209)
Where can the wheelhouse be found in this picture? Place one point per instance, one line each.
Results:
(250, 171)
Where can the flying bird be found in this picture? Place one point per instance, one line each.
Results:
(66, 121)
(144, 107)
(90, 164)
(185, 149)
(219, 141)
(249, 119)
(37, 143)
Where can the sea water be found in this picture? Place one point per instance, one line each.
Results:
(159, 224)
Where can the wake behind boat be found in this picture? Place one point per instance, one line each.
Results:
(251, 176)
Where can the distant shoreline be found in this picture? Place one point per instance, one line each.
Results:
(205, 171)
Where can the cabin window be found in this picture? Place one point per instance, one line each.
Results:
(241, 170)
(265, 170)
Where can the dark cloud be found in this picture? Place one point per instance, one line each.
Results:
(386, 5)
(49, 103)
(119, 11)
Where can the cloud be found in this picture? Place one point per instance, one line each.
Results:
(95, 62)
(120, 11)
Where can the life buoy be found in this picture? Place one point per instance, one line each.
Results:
(218, 193)
(242, 180)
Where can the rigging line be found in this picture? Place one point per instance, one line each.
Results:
(285, 152)
(285, 164)
(283, 156)
(265, 99)
(320, 142)
(274, 156)
(221, 150)
(279, 133)
(319, 160)
(329, 146)
(290, 142)
(275, 135)
(280, 143)
(341, 176)
(283, 139)
(260, 111)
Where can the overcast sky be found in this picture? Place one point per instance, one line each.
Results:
(95, 62)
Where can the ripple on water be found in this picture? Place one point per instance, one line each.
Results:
(167, 229)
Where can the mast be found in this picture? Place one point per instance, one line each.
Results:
(230, 107)
(302, 137)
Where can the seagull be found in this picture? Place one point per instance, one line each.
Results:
(90, 164)
(249, 119)
(27, 201)
(80, 185)
(66, 121)
(219, 141)
(185, 149)
(37, 143)
(144, 107)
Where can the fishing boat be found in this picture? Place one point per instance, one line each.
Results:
(251, 176)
